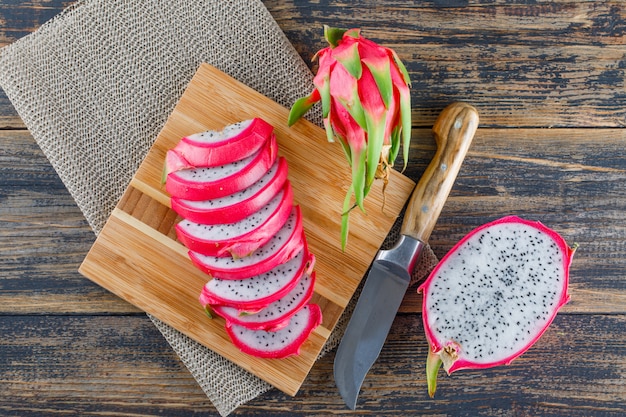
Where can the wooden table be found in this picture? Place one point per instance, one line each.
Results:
(548, 80)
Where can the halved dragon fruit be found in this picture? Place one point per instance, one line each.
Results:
(214, 148)
(493, 295)
(240, 238)
(205, 183)
(281, 343)
(284, 245)
(254, 293)
(275, 316)
(238, 206)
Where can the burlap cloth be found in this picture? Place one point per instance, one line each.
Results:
(96, 84)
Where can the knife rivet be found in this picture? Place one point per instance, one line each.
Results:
(424, 209)
(443, 167)
(458, 124)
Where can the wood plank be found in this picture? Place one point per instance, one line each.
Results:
(547, 380)
(523, 64)
(43, 238)
(517, 69)
(98, 365)
(19, 19)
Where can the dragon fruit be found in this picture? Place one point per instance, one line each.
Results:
(205, 183)
(281, 343)
(240, 238)
(493, 295)
(252, 294)
(284, 245)
(275, 316)
(214, 148)
(366, 104)
(238, 206)
(242, 228)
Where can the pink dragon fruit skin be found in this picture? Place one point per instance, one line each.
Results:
(238, 206)
(493, 295)
(276, 315)
(366, 104)
(205, 183)
(279, 249)
(207, 149)
(281, 343)
(240, 238)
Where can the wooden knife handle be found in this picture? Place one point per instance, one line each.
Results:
(454, 130)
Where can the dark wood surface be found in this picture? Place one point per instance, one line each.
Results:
(548, 81)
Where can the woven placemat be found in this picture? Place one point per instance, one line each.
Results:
(96, 84)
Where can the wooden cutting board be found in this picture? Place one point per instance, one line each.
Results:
(137, 257)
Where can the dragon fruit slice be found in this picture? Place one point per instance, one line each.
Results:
(255, 293)
(284, 245)
(240, 238)
(493, 295)
(279, 344)
(207, 183)
(214, 148)
(277, 315)
(238, 206)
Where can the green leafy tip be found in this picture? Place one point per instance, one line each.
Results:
(333, 35)
(345, 217)
(405, 120)
(301, 106)
(164, 174)
(403, 70)
(433, 363)
(350, 59)
(359, 171)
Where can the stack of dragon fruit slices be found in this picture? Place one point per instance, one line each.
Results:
(242, 228)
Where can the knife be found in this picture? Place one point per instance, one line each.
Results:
(391, 270)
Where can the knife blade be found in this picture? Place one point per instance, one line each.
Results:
(391, 270)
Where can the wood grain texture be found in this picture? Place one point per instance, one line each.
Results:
(102, 365)
(43, 238)
(548, 80)
(453, 132)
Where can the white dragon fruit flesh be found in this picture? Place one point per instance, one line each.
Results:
(493, 295)
(205, 183)
(276, 315)
(240, 238)
(281, 343)
(213, 148)
(237, 206)
(254, 293)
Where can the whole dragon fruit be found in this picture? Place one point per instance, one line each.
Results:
(366, 105)
(493, 295)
